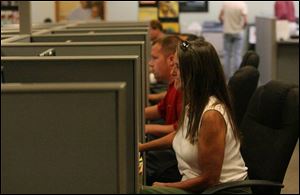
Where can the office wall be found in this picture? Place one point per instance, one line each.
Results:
(41, 10)
(262, 8)
(122, 10)
(128, 11)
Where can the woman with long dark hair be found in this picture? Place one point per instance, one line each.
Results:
(207, 143)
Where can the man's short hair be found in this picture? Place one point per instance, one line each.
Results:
(155, 24)
(168, 44)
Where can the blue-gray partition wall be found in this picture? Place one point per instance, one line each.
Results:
(109, 24)
(113, 36)
(64, 138)
(86, 69)
(82, 48)
(98, 30)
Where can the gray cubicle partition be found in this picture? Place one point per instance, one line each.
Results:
(82, 49)
(16, 27)
(96, 37)
(12, 32)
(108, 24)
(279, 60)
(99, 30)
(64, 139)
(19, 38)
(6, 36)
(86, 69)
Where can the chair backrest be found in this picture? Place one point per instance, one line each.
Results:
(242, 86)
(251, 58)
(270, 130)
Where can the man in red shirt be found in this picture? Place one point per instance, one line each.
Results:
(162, 165)
(285, 10)
(169, 108)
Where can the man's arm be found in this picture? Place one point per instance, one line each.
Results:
(159, 130)
(157, 97)
(151, 112)
(158, 144)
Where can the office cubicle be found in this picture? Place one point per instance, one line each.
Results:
(85, 69)
(212, 31)
(99, 30)
(6, 36)
(14, 38)
(82, 49)
(96, 37)
(65, 138)
(13, 32)
(108, 24)
(16, 27)
(279, 59)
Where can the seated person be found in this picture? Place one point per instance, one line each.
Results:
(207, 143)
(162, 61)
(96, 10)
(162, 165)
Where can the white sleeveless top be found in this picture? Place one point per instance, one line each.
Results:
(233, 168)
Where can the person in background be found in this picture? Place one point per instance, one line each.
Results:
(207, 143)
(47, 20)
(81, 13)
(96, 10)
(156, 30)
(162, 165)
(233, 15)
(158, 88)
(285, 10)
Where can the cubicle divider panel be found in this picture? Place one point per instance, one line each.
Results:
(6, 36)
(109, 24)
(98, 30)
(55, 139)
(116, 36)
(86, 69)
(85, 49)
(17, 38)
(99, 37)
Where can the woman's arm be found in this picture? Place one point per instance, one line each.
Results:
(211, 147)
(158, 144)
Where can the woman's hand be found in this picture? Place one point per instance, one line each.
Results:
(159, 184)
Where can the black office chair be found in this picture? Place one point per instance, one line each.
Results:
(241, 87)
(270, 131)
(251, 58)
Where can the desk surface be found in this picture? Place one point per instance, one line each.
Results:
(289, 41)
